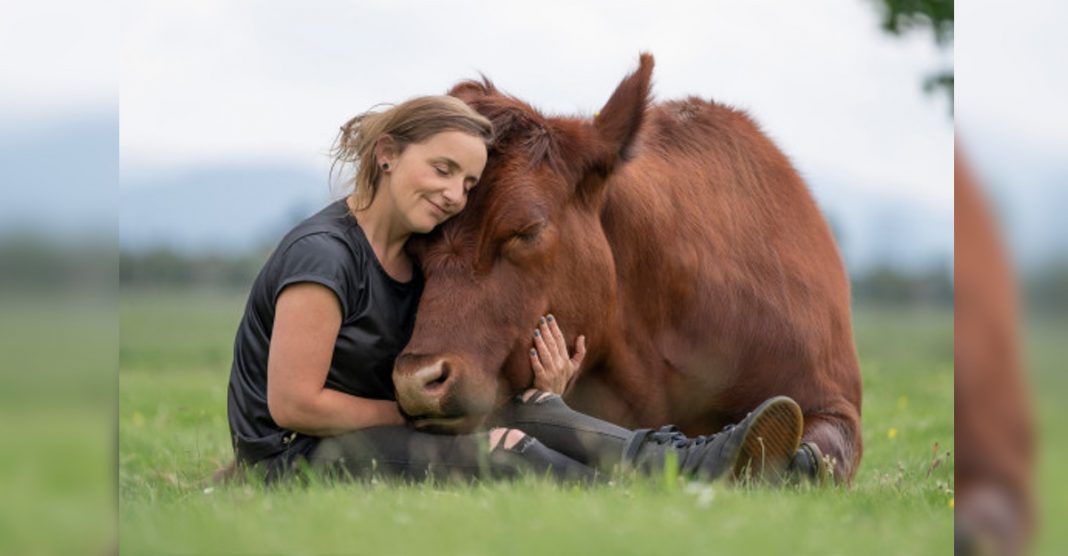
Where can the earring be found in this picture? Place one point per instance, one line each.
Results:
(385, 166)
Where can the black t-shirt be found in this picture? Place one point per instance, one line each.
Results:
(378, 314)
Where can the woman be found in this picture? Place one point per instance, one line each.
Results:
(335, 303)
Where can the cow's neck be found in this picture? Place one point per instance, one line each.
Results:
(636, 219)
(633, 218)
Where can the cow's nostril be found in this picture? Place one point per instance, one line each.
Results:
(431, 380)
(440, 379)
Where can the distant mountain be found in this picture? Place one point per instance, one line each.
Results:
(1026, 185)
(234, 208)
(60, 180)
(59, 176)
(875, 228)
(225, 209)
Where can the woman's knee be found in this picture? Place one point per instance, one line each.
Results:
(536, 397)
(506, 438)
(534, 406)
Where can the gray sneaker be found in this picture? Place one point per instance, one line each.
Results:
(759, 447)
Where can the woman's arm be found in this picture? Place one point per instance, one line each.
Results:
(306, 325)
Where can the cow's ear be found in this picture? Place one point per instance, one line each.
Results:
(616, 126)
(621, 117)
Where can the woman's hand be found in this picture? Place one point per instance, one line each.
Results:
(554, 369)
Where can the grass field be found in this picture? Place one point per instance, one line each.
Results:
(57, 420)
(174, 363)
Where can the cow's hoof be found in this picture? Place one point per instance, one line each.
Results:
(809, 465)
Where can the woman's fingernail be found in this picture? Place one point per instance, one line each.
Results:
(541, 320)
(533, 352)
(537, 332)
(551, 318)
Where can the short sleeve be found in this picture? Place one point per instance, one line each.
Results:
(321, 258)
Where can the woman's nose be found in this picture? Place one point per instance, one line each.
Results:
(454, 194)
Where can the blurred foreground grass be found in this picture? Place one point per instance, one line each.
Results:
(57, 420)
(174, 364)
(1046, 353)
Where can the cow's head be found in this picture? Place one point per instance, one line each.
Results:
(530, 242)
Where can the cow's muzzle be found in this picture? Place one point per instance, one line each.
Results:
(422, 383)
(431, 393)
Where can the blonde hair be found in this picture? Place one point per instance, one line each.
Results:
(412, 121)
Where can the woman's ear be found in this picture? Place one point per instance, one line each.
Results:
(385, 151)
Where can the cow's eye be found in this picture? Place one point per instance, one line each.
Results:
(525, 242)
(529, 234)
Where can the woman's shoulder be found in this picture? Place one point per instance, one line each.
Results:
(332, 230)
(326, 243)
(323, 249)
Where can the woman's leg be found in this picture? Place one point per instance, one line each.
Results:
(588, 440)
(759, 446)
(404, 452)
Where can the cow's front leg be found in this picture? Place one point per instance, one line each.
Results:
(831, 445)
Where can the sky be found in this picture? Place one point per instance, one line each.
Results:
(1011, 116)
(58, 60)
(1012, 79)
(204, 83)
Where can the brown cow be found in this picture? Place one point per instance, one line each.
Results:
(994, 434)
(676, 237)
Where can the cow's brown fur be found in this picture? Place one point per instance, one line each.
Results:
(675, 236)
(993, 429)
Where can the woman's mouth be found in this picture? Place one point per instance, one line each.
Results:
(438, 207)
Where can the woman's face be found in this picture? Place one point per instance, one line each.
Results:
(429, 181)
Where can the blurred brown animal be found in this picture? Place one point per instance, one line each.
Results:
(993, 430)
(675, 236)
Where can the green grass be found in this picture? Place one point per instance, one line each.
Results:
(1046, 353)
(174, 364)
(58, 421)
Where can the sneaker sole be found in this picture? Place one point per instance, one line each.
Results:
(770, 441)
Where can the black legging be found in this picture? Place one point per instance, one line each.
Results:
(560, 441)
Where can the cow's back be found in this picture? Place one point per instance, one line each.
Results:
(727, 266)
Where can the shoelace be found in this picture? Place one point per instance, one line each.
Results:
(670, 434)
